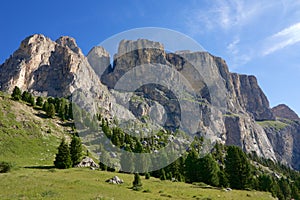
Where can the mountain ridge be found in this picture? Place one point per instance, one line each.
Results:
(49, 68)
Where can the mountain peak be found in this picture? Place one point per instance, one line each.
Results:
(69, 42)
(283, 111)
(126, 46)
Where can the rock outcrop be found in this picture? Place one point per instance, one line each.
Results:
(285, 138)
(115, 180)
(240, 99)
(87, 162)
(283, 111)
(47, 68)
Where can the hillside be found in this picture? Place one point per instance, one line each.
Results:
(29, 140)
(27, 136)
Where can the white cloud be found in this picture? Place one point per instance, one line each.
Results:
(237, 56)
(233, 46)
(282, 39)
(224, 14)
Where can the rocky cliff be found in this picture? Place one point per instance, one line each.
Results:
(236, 100)
(47, 68)
(283, 111)
(231, 107)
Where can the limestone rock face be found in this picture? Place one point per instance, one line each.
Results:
(283, 111)
(33, 52)
(210, 79)
(251, 97)
(44, 67)
(99, 59)
(286, 142)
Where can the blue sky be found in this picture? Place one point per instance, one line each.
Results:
(254, 37)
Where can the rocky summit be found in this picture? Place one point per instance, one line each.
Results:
(232, 108)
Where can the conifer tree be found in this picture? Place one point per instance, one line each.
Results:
(25, 96)
(31, 100)
(16, 94)
(63, 157)
(45, 106)
(51, 110)
(209, 170)
(76, 150)
(163, 175)
(192, 170)
(39, 101)
(265, 183)
(237, 168)
(137, 183)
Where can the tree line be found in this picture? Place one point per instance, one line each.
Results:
(52, 106)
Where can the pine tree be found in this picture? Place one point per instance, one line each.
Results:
(163, 175)
(31, 100)
(45, 106)
(223, 181)
(39, 101)
(238, 168)
(265, 183)
(25, 96)
(70, 111)
(192, 170)
(63, 157)
(285, 188)
(137, 183)
(75, 150)
(209, 170)
(16, 95)
(51, 110)
(62, 108)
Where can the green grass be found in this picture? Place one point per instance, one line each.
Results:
(277, 125)
(24, 137)
(88, 184)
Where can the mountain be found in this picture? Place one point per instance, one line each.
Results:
(283, 111)
(231, 108)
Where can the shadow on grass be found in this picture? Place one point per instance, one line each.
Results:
(42, 115)
(66, 124)
(40, 167)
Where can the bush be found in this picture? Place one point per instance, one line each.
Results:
(5, 167)
(147, 175)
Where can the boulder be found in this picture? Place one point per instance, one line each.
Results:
(115, 180)
(88, 162)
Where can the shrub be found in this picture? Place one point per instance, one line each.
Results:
(147, 175)
(5, 167)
